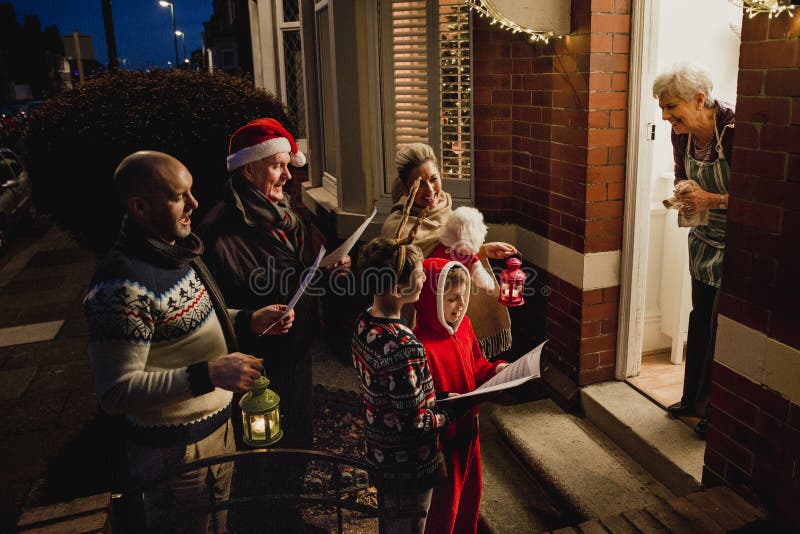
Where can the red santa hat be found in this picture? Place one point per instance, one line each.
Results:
(260, 139)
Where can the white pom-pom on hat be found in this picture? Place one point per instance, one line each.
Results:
(464, 228)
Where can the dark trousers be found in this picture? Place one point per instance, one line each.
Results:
(700, 344)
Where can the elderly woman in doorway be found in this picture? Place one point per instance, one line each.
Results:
(418, 160)
(702, 139)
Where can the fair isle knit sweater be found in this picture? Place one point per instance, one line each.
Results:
(401, 421)
(153, 330)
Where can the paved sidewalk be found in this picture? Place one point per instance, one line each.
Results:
(46, 394)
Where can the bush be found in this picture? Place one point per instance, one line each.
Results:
(73, 143)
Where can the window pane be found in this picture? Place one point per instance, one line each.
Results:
(291, 12)
(429, 95)
(455, 85)
(330, 155)
(227, 58)
(295, 95)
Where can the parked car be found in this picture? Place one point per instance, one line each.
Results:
(16, 206)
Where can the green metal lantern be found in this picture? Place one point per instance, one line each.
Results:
(261, 415)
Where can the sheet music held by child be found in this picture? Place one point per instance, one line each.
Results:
(521, 371)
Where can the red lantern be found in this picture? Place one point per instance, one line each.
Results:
(512, 283)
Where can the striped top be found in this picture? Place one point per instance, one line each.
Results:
(711, 170)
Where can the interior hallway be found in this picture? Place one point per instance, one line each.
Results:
(661, 381)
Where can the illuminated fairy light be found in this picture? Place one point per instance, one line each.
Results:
(774, 8)
(489, 12)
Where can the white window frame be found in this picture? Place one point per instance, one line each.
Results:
(327, 124)
(281, 28)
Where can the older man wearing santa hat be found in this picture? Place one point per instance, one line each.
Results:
(254, 246)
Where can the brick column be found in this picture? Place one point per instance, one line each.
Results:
(559, 172)
(754, 416)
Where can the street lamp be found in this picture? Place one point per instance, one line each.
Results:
(183, 40)
(171, 6)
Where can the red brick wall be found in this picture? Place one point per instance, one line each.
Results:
(754, 434)
(582, 328)
(754, 442)
(550, 127)
(491, 108)
(764, 216)
(550, 134)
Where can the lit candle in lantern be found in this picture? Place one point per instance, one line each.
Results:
(259, 425)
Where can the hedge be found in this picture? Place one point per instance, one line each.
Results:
(74, 142)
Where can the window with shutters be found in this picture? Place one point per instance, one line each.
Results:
(379, 74)
(426, 83)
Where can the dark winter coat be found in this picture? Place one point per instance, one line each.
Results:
(254, 269)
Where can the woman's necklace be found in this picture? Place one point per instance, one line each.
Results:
(702, 149)
(702, 152)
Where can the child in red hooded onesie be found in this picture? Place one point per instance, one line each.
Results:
(457, 366)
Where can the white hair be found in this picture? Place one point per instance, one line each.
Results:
(685, 79)
(464, 230)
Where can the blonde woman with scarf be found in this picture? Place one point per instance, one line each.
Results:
(417, 161)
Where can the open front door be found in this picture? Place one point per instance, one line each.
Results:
(641, 130)
(655, 293)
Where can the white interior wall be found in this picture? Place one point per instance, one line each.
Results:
(699, 30)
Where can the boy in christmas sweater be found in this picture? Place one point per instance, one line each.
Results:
(401, 420)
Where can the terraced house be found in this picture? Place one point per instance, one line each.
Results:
(542, 116)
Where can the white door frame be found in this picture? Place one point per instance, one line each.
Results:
(638, 177)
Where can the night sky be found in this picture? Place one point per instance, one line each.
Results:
(143, 29)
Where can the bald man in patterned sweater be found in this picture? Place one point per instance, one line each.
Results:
(163, 345)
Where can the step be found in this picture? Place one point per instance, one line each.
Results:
(574, 460)
(713, 511)
(87, 514)
(513, 500)
(666, 447)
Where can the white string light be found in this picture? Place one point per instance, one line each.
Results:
(772, 7)
(488, 11)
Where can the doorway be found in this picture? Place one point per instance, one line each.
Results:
(654, 319)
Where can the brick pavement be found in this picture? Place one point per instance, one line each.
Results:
(51, 440)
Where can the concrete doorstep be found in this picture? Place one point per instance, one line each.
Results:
(664, 446)
(573, 460)
(513, 500)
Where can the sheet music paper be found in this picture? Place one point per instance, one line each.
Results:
(521, 371)
(342, 250)
(300, 290)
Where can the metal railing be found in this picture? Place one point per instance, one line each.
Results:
(348, 477)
